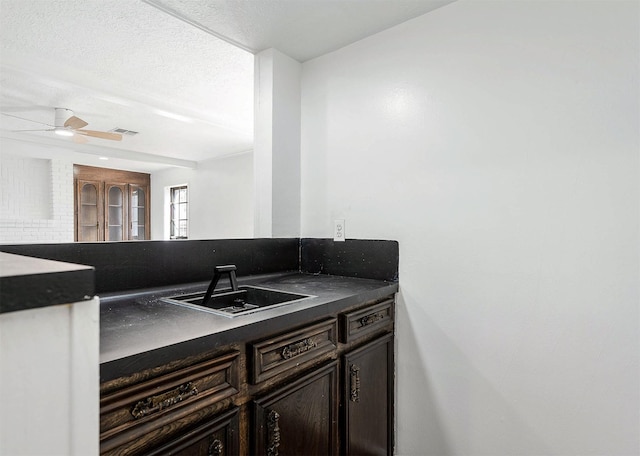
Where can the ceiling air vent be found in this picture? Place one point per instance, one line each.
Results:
(122, 131)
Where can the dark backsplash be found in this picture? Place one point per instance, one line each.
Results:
(121, 266)
(369, 259)
(133, 265)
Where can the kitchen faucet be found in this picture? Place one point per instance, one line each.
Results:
(217, 274)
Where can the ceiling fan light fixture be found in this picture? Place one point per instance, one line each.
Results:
(63, 132)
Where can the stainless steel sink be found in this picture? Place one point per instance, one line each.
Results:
(246, 300)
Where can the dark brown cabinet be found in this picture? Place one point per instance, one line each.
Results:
(111, 205)
(368, 398)
(321, 388)
(300, 418)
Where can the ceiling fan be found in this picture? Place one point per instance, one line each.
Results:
(67, 124)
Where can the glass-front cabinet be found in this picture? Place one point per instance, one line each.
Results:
(88, 212)
(111, 205)
(116, 212)
(138, 214)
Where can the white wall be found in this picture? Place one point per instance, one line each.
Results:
(36, 199)
(220, 198)
(498, 142)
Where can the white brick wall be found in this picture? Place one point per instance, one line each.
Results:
(36, 200)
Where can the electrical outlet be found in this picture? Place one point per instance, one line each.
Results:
(338, 230)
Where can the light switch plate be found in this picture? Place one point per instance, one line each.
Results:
(338, 230)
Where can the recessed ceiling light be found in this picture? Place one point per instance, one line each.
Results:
(103, 158)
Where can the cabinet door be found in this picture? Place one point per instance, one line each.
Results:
(368, 398)
(299, 418)
(216, 437)
(115, 212)
(139, 212)
(89, 212)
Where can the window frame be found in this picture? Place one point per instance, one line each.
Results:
(175, 222)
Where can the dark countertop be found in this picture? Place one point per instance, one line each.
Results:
(29, 283)
(139, 331)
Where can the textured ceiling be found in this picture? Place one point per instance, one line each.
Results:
(179, 72)
(122, 63)
(302, 29)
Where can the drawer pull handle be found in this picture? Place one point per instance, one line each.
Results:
(216, 448)
(354, 377)
(298, 348)
(371, 319)
(273, 429)
(155, 404)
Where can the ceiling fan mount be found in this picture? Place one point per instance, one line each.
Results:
(62, 124)
(67, 124)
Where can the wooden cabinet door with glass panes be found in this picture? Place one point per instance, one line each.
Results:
(89, 212)
(138, 212)
(115, 224)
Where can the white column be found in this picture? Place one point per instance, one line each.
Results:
(277, 145)
(49, 380)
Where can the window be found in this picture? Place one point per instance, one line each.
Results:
(179, 223)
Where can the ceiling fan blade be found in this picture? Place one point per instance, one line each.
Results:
(79, 139)
(5, 108)
(100, 134)
(49, 129)
(75, 123)
(28, 120)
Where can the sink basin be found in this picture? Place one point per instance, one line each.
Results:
(248, 299)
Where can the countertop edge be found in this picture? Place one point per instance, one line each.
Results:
(31, 283)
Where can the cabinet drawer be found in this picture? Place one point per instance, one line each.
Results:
(301, 347)
(365, 321)
(140, 409)
(216, 437)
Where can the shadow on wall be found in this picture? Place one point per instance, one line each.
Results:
(445, 401)
(417, 410)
